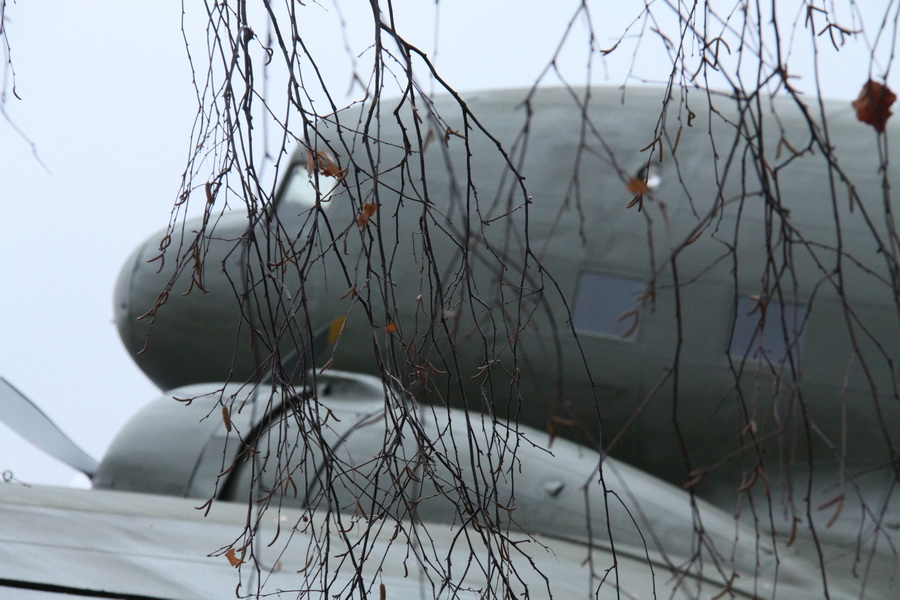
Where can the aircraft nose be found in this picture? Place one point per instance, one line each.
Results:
(179, 332)
(123, 304)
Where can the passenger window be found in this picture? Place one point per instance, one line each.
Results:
(607, 305)
(772, 338)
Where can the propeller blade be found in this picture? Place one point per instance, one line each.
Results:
(25, 418)
(299, 360)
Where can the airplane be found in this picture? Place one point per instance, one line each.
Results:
(657, 351)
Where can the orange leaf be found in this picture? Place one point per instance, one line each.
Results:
(367, 211)
(637, 186)
(325, 163)
(232, 558)
(390, 327)
(873, 104)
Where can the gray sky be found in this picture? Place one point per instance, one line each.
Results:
(107, 100)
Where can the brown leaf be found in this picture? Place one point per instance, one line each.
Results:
(366, 213)
(693, 237)
(448, 132)
(873, 104)
(210, 193)
(325, 163)
(205, 507)
(793, 535)
(637, 186)
(695, 477)
(838, 503)
(232, 558)
(226, 416)
(635, 316)
(746, 485)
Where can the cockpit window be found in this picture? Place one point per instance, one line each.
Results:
(299, 189)
(607, 305)
(767, 330)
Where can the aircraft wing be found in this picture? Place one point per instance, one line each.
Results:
(58, 542)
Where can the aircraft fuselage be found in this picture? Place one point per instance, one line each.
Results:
(741, 314)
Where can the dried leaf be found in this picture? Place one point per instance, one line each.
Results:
(726, 591)
(366, 213)
(873, 104)
(330, 415)
(428, 137)
(552, 424)
(335, 329)
(746, 485)
(205, 507)
(695, 478)
(838, 503)
(226, 416)
(390, 327)
(637, 186)
(325, 163)
(750, 428)
(227, 470)
(411, 474)
(448, 132)
(635, 316)
(793, 535)
(308, 563)
(694, 237)
(759, 305)
(232, 558)
(608, 51)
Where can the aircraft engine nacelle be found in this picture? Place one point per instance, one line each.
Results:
(384, 459)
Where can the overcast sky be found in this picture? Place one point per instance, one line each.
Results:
(107, 101)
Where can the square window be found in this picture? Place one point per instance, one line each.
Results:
(607, 305)
(772, 338)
